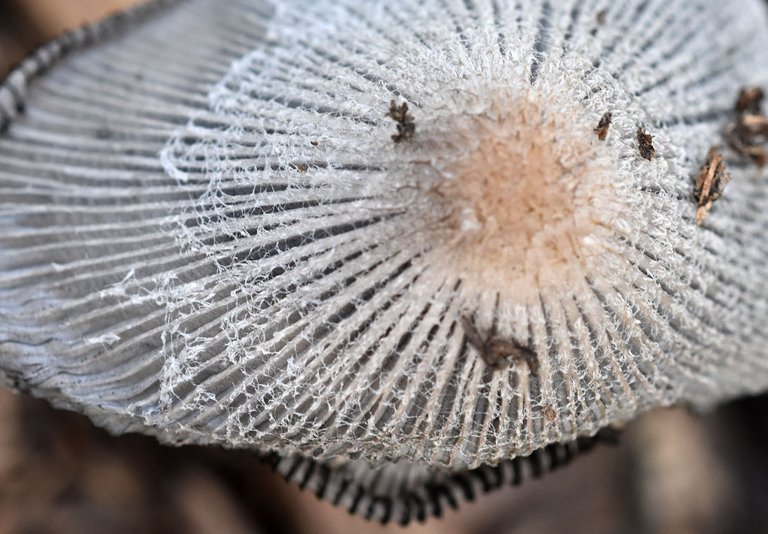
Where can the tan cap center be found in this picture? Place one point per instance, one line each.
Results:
(522, 203)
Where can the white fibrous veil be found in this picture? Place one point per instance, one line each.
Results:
(383, 241)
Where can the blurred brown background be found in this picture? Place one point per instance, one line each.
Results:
(673, 472)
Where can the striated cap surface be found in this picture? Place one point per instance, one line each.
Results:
(214, 228)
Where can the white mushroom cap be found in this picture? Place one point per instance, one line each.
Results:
(207, 232)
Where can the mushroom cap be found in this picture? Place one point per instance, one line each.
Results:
(208, 234)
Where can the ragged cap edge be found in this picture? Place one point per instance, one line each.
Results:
(13, 89)
(430, 493)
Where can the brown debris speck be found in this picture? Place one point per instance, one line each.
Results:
(497, 352)
(406, 127)
(645, 143)
(602, 127)
(710, 184)
(300, 167)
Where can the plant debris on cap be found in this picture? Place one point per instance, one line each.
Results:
(750, 101)
(747, 135)
(645, 143)
(213, 236)
(406, 127)
(603, 125)
(497, 352)
(710, 184)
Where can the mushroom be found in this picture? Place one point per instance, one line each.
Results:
(381, 242)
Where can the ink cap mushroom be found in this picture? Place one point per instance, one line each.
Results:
(406, 250)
